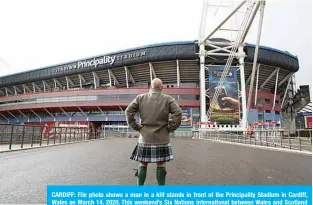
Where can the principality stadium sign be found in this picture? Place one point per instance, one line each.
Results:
(95, 62)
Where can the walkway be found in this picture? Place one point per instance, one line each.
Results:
(25, 174)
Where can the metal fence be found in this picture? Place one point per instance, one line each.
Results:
(287, 139)
(14, 136)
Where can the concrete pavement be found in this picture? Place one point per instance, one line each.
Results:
(26, 173)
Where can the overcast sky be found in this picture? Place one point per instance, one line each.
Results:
(36, 33)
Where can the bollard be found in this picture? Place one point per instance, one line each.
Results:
(74, 134)
(23, 134)
(266, 140)
(289, 142)
(70, 134)
(281, 142)
(41, 138)
(61, 134)
(65, 134)
(48, 136)
(11, 138)
(32, 137)
(55, 135)
(300, 143)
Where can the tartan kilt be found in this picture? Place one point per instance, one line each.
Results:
(152, 153)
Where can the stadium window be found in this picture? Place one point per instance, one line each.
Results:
(260, 116)
(276, 102)
(267, 101)
(267, 111)
(277, 113)
(260, 102)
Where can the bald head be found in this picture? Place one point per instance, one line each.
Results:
(156, 83)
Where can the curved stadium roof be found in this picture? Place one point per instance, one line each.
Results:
(182, 50)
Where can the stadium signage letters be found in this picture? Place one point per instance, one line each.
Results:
(95, 62)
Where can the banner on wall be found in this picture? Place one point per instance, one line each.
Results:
(186, 117)
(308, 122)
(51, 129)
(225, 110)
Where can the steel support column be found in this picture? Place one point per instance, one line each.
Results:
(13, 115)
(243, 88)
(100, 110)
(268, 78)
(152, 72)
(287, 88)
(275, 92)
(126, 76)
(81, 80)
(50, 114)
(96, 79)
(178, 73)
(56, 82)
(36, 114)
(25, 87)
(110, 78)
(256, 52)
(22, 113)
(34, 87)
(121, 108)
(44, 86)
(256, 84)
(203, 114)
(65, 113)
(224, 21)
(285, 79)
(4, 116)
(15, 91)
(82, 112)
(251, 20)
(68, 82)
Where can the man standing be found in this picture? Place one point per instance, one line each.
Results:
(154, 144)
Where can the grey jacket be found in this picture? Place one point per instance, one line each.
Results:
(154, 108)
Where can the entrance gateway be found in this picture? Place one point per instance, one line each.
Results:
(210, 46)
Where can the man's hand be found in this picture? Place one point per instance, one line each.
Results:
(233, 101)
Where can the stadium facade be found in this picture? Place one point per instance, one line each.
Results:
(96, 90)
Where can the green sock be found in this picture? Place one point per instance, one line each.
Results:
(142, 172)
(160, 175)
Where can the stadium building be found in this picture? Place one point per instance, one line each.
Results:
(96, 90)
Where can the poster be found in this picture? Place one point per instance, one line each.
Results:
(225, 104)
(308, 122)
(186, 117)
(52, 129)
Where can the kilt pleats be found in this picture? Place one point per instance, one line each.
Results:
(151, 153)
